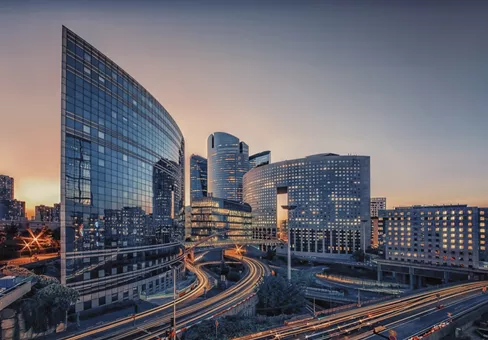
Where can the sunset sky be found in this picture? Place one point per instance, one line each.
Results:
(404, 82)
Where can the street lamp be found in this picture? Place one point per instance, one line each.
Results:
(288, 208)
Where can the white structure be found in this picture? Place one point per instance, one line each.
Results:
(331, 195)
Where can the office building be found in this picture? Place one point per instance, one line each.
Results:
(198, 177)
(377, 204)
(211, 215)
(330, 200)
(446, 235)
(12, 210)
(122, 182)
(47, 214)
(258, 159)
(187, 222)
(6, 188)
(228, 161)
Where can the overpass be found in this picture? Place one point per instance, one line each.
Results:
(223, 243)
(328, 295)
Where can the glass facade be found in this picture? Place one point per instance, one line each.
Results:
(228, 161)
(259, 159)
(330, 200)
(450, 235)
(122, 181)
(198, 177)
(210, 215)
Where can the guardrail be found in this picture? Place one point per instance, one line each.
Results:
(14, 293)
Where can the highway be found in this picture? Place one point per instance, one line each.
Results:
(357, 323)
(27, 260)
(186, 317)
(209, 308)
(202, 283)
(420, 323)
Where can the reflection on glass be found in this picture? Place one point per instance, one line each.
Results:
(122, 181)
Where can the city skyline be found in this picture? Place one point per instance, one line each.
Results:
(410, 98)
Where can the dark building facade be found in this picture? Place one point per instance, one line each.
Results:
(6, 188)
(12, 210)
(198, 177)
(122, 181)
(47, 214)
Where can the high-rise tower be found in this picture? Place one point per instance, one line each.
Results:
(228, 161)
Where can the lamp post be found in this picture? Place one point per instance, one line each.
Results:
(174, 302)
(288, 208)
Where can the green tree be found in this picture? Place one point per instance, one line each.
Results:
(233, 276)
(12, 231)
(359, 256)
(47, 303)
(278, 296)
(270, 254)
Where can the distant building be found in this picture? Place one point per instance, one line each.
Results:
(187, 222)
(198, 177)
(6, 188)
(211, 215)
(228, 161)
(377, 204)
(47, 214)
(448, 235)
(258, 159)
(330, 195)
(12, 210)
(57, 212)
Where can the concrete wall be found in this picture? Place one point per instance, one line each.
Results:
(13, 327)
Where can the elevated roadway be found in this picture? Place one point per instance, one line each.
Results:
(358, 323)
(153, 323)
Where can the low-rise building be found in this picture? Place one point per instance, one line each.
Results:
(211, 215)
(12, 210)
(447, 235)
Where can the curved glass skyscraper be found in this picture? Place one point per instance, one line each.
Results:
(329, 200)
(122, 181)
(228, 161)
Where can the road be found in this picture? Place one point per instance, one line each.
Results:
(211, 307)
(202, 284)
(357, 323)
(423, 321)
(186, 317)
(25, 260)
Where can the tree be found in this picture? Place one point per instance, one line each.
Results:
(57, 234)
(233, 276)
(270, 254)
(359, 256)
(47, 303)
(278, 296)
(11, 231)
